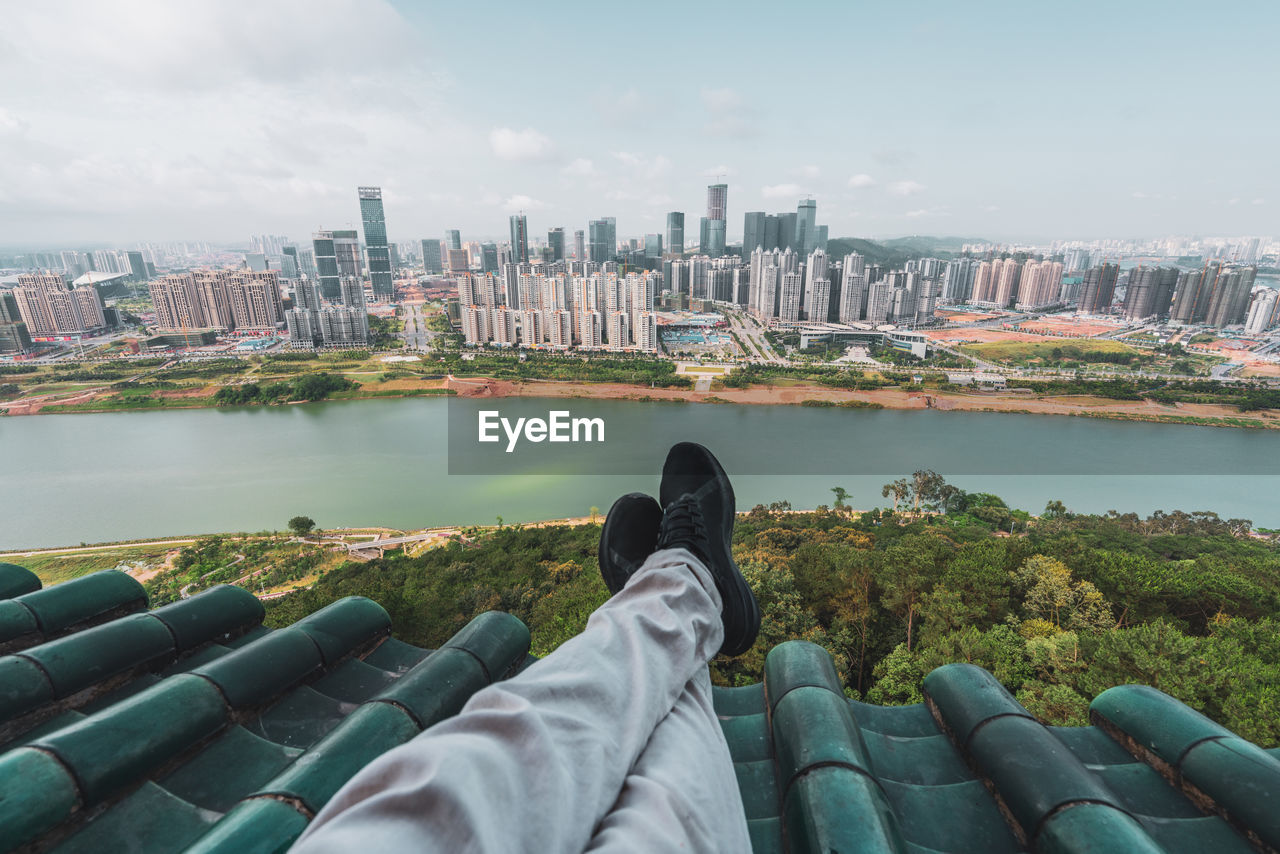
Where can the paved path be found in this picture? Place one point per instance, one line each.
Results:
(96, 548)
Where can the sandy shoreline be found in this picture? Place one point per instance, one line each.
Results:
(764, 395)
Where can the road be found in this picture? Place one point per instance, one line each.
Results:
(6, 555)
(416, 334)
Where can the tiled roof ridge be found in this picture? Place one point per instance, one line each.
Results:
(1033, 776)
(275, 815)
(48, 613)
(63, 674)
(102, 756)
(1220, 772)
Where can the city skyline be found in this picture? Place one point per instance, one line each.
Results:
(202, 130)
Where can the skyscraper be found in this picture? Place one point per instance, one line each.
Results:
(712, 238)
(453, 238)
(580, 245)
(603, 237)
(806, 228)
(49, 306)
(653, 245)
(675, 233)
(555, 241)
(754, 225)
(375, 241)
(519, 239)
(431, 260)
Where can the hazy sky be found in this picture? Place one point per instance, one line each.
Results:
(142, 119)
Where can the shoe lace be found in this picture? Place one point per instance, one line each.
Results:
(683, 523)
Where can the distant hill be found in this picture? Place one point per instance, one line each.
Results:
(899, 250)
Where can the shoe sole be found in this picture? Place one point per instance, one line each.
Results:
(614, 574)
(735, 586)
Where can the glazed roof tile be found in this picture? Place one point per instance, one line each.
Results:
(187, 727)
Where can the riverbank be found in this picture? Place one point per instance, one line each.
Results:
(785, 392)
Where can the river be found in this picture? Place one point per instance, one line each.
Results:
(68, 479)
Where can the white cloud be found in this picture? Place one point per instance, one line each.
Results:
(519, 202)
(1258, 202)
(728, 115)
(580, 167)
(641, 166)
(520, 145)
(862, 179)
(809, 171)
(935, 211)
(721, 100)
(718, 171)
(906, 188)
(781, 191)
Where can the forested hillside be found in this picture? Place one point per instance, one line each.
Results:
(1058, 607)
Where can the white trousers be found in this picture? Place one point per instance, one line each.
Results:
(610, 743)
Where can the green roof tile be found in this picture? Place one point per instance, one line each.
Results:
(813, 726)
(344, 626)
(216, 614)
(363, 736)
(37, 793)
(922, 761)
(766, 835)
(354, 681)
(395, 656)
(300, 719)
(499, 642)
(956, 817)
(833, 808)
(1206, 833)
(149, 821)
(23, 687)
(16, 580)
(86, 658)
(745, 700)
(129, 740)
(438, 687)
(909, 721)
(17, 624)
(98, 595)
(260, 671)
(258, 826)
(234, 765)
(1154, 720)
(758, 783)
(748, 737)
(967, 697)
(1244, 782)
(797, 664)
(1094, 829)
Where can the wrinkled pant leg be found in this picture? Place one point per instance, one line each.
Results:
(534, 763)
(682, 794)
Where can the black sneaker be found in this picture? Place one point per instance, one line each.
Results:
(629, 536)
(699, 516)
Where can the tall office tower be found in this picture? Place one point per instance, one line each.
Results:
(453, 239)
(853, 288)
(375, 242)
(137, 266)
(713, 226)
(255, 261)
(815, 280)
(289, 267)
(213, 292)
(326, 255)
(653, 245)
(307, 261)
(488, 257)
(754, 225)
(1040, 284)
(806, 228)
(675, 233)
(555, 242)
(432, 262)
(580, 245)
(603, 237)
(520, 238)
(1097, 289)
(791, 294)
(1261, 311)
(457, 261)
(879, 302)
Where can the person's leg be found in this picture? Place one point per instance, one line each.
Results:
(535, 763)
(682, 794)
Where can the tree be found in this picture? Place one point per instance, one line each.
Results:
(1055, 510)
(302, 525)
(841, 495)
(898, 490)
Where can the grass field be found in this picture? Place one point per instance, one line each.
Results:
(56, 568)
(1023, 352)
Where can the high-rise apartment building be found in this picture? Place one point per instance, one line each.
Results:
(1098, 288)
(579, 245)
(49, 307)
(675, 233)
(337, 254)
(381, 275)
(1040, 285)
